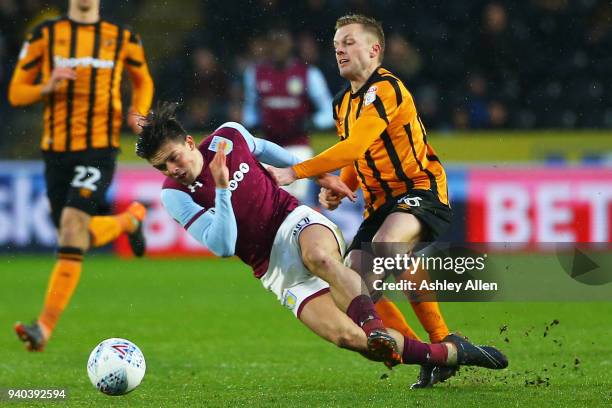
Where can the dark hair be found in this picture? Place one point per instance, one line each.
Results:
(161, 126)
(369, 24)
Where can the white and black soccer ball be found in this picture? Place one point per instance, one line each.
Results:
(116, 366)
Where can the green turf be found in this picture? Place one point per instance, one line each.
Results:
(213, 337)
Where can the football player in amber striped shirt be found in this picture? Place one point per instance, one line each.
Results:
(74, 64)
(383, 149)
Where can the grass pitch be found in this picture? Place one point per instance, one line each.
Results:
(213, 337)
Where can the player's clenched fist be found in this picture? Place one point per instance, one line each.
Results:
(218, 168)
(336, 186)
(328, 199)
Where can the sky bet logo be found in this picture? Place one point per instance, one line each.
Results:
(83, 62)
(238, 176)
(24, 209)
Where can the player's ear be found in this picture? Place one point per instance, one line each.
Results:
(375, 50)
(190, 142)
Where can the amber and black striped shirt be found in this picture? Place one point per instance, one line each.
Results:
(383, 145)
(85, 113)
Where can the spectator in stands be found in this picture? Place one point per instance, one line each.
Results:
(402, 58)
(207, 91)
(284, 98)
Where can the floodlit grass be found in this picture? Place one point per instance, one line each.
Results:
(213, 337)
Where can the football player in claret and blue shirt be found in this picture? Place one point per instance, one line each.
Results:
(285, 98)
(221, 194)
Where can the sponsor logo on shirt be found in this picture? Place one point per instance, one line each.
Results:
(238, 176)
(282, 102)
(83, 62)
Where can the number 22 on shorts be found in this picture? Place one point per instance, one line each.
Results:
(86, 177)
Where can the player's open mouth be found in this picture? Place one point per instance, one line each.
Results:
(342, 61)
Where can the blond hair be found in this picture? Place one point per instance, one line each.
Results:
(369, 24)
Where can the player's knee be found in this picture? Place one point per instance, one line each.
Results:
(70, 226)
(389, 243)
(408, 228)
(318, 258)
(73, 227)
(385, 237)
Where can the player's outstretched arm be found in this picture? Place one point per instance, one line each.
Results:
(215, 228)
(336, 157)
(365, 132)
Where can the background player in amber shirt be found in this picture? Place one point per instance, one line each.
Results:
(74, 64)
(384, 150)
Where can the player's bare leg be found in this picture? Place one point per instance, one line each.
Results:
(399, 234)
(78, 231)
(323, 317)
(406, 229)
(321, 255)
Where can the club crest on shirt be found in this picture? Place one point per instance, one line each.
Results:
(229, 145)
(24, 50)
(289, 299)
(370, 95)
(295, 86)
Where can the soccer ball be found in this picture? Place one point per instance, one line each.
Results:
(116, 366)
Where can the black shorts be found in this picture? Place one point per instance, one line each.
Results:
(435, 217)
(79, 180)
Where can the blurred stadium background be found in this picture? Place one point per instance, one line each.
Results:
(499, 86)
(517, 98)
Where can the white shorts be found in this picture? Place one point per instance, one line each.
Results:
(287, 277)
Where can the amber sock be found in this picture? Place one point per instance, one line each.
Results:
(431, 319)
(393, 318)
(428, 312)
(64, 279)
(104, 229)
